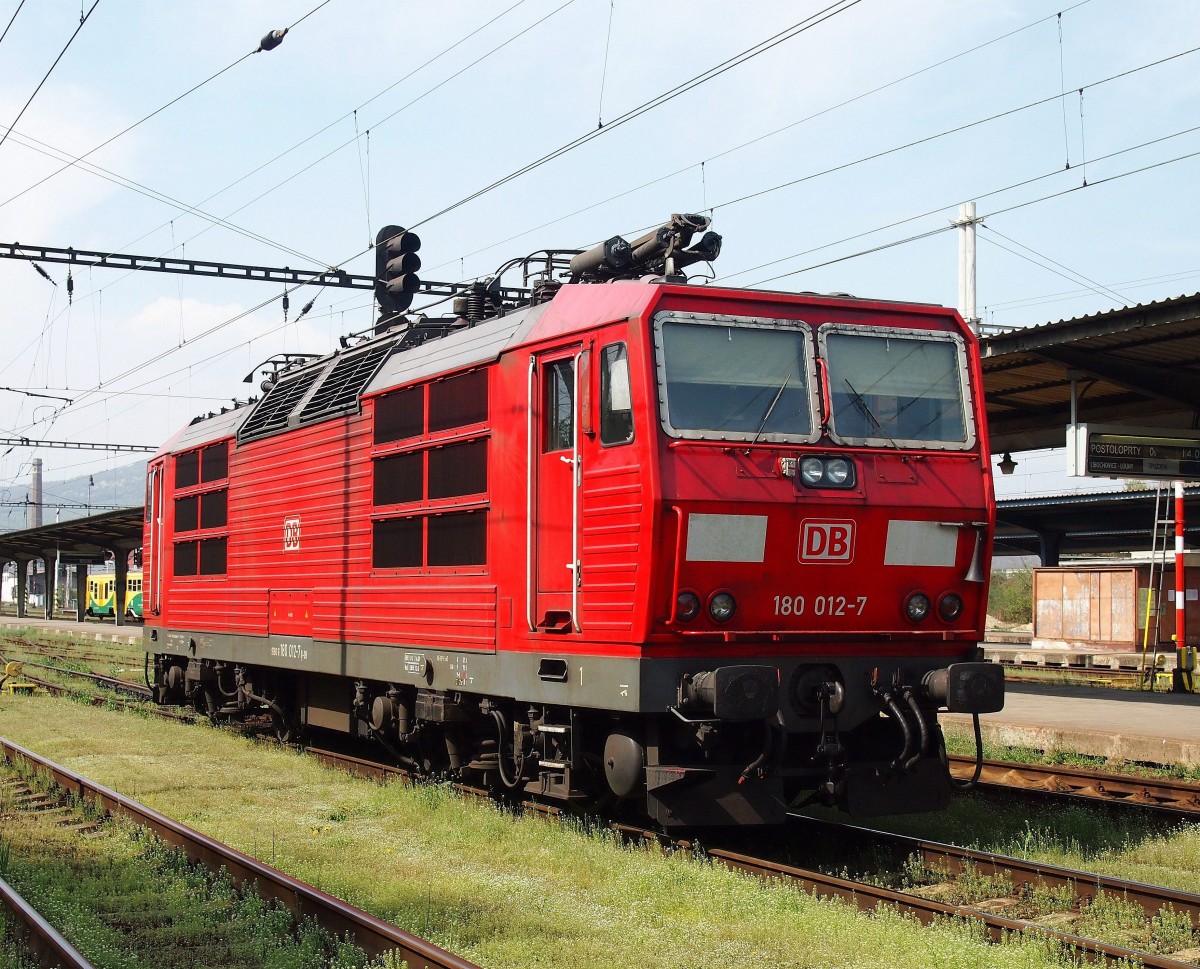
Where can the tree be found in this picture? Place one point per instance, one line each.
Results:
(1011, 597)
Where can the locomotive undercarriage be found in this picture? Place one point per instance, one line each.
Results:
(723, 754)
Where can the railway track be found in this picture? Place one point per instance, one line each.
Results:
(867, 897)
(71, 652)
(1155, 793)
(1163, 794)
(1021, 873)
(373, 935)
(46, 946)
(933, 855)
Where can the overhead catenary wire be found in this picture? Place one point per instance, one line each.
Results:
(888, 245)
(955, 130)
(770, 134)
(71, 40)
(11, 20)
(144, 119)
(780, 37)
(1010, 208)
(1068, 273)
(1022, 302)
(813, 20)
(223, 221)
(942, 208)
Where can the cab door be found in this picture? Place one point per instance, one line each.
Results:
(553, 497)
(154, 553)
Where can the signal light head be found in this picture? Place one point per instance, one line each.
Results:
(396, 265)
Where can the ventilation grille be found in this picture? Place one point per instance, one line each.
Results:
(271, 413)
(339, 391)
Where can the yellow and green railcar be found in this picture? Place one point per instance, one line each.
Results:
(101, 595)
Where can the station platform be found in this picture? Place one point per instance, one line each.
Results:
(1143, 727)
(97, 630)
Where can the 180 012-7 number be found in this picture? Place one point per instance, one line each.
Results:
(820, 605)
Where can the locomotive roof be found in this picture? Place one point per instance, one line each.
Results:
(572, 309)
(478, 344)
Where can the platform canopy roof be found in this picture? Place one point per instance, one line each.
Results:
(1138, 366)
(78, 540)
(1094, 523)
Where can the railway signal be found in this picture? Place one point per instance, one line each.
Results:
(396, 265)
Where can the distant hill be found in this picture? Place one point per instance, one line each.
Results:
(123, 487)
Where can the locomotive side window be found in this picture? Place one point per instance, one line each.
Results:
(212, 556)
(458, 539)
(560, 406)
(400, 415)
(187, 514)
(397, 543)
(439, 469)
(185, 558)
(187, 469)
(399, 478)
(616, 400)
(897, 389)
(458, 401)
(202, 508)
(458, 469)
(736, 379)
(214, 462)
(214, 509)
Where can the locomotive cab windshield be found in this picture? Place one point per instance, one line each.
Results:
(897, 389)
(755, 380)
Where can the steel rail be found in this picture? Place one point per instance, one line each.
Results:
(45, 944)
(122, 686)
(927, 911)
(950, 858)
(93, 651)
(373, 935)
(1149, 792)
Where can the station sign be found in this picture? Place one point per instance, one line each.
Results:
(1115, 451)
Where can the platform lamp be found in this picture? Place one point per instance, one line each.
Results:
(1006, 464)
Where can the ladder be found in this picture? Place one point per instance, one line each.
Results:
(1163, 527)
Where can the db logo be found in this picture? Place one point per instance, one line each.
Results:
(291, 534)
(826, 541)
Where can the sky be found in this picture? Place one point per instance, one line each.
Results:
(832, 160)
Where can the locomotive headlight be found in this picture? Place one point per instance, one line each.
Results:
(722, 606)
(687, 606)
(837, 471)
(830, 472)
(950, 606)
(812, 470)
(916, 607)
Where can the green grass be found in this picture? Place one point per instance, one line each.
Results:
(499, 890)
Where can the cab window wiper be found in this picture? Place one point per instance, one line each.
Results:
(865, 409)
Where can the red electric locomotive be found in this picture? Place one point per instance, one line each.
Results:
(709, 552)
